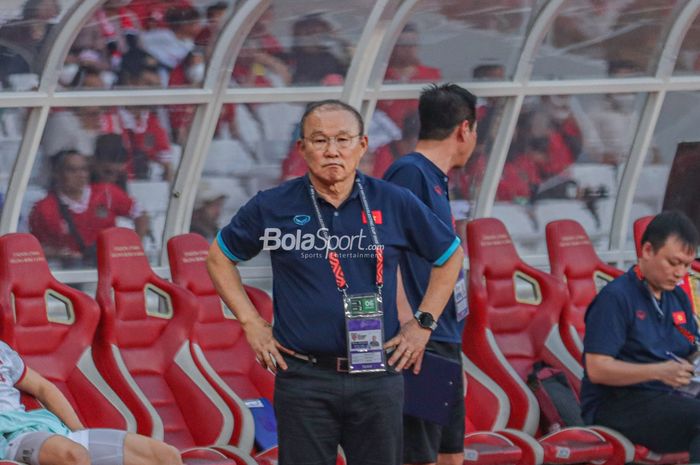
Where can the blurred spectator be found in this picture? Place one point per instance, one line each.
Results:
(214, 17)
(385, 155)
(404, 63)
(22, 41)
(262, 61)
(556, 133)
(145, 140)
(207, 209)
(610, 137)
(488, 109)
(316, 52)
(113, 31)
(170, 45)
(68, 219)
(466, 182)
(86, 75)
(587, 20)
(139, 69)
(189, 73)
(502, 16)
(151, 13)
(109, 164)
(639, 32)
(257, 67)
(405, 66)
(75, 129)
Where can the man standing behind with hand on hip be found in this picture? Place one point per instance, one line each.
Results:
(335, 237)
(446, 140)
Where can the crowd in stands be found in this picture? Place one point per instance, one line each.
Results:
(150, 44)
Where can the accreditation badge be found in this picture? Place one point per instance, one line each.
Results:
(460, 296)
(364, 324)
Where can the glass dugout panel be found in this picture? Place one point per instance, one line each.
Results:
(308, 43)
(565, 162)
(393, 132)
(254, 148)
(688, 61)
(598, 39)
(12, 123)
(26, 30)
(460, 41)
(144, 44)
(670, 176)
(99, 167)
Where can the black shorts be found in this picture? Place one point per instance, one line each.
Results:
(424, 440)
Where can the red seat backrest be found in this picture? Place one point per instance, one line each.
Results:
(55, 340)
(505, 337)
(146, 354)
(573, 259)
(640, 225)
(216, 333)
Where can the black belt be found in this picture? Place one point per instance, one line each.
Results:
(327, 362)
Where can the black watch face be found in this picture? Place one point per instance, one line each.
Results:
(425, 319)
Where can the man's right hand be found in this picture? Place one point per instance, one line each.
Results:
(675, 373)
(258, 332)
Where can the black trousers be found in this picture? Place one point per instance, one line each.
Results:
(318, 409)
(662, 421)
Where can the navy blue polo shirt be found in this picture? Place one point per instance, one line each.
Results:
(422, 177)
(623, 322)
(308, 307)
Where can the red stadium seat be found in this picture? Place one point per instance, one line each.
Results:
(505, 336)
(51, 325)
(144, 352)
(573, 260)
(219, 346)
(487, 409)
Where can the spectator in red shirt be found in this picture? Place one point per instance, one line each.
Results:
(405, 66)
(215, 16)
(144, 137)
(68, 220)
(109, 166)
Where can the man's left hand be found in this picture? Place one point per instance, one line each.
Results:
(409, 346)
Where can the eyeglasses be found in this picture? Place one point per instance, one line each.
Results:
(342, 141)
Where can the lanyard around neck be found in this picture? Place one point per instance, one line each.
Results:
(334, 259)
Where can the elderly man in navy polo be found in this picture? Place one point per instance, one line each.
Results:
(335, 237)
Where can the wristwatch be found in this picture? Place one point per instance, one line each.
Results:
(425, 320)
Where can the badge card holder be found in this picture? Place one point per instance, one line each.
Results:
(364, 325)
(460, 296)
(364, 315)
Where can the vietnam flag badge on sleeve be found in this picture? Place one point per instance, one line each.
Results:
(679, 317)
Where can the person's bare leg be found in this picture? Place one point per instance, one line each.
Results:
(142, 450)
(451, 459)
(58, 450)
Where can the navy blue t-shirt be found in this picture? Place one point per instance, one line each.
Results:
(624, 322)
(422, 177)
(308, 307)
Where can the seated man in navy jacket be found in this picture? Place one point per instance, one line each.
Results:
(640, 331)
